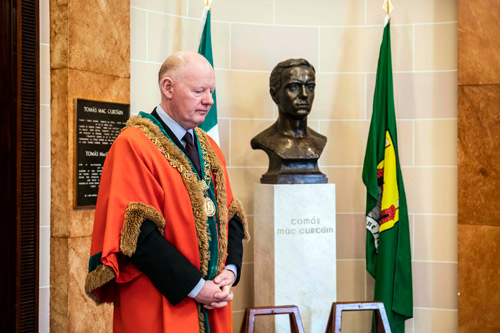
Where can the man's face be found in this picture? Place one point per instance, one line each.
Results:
(192, 89)
(296, 94)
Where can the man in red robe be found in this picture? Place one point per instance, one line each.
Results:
(167, 239)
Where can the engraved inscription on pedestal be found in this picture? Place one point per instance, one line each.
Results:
(304, 226)
(97, 126)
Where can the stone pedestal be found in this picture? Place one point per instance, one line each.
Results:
(295, 252)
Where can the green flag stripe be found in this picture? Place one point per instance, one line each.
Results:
(205, 49)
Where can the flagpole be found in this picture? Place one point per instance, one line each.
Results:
(388, 7)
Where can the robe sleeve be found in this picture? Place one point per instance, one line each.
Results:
(170, 272)
(129, 193)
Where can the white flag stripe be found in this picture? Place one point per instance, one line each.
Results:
(214, 133)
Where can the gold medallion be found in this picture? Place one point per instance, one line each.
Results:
(209, 207)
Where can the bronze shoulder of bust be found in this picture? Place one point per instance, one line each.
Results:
(285, 146)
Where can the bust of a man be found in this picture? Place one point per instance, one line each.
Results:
(292, 147)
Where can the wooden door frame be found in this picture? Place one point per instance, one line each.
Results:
(19, 167)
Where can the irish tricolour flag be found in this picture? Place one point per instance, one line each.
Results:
(205, 49)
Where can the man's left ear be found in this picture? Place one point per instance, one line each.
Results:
(272, 91)
(167, 87)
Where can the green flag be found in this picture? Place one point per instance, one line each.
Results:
(205, 49)
(388, 257)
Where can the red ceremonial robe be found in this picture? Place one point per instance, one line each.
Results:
(145, 176)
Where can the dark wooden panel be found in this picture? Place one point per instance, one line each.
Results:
(28, 105)
(8, 155)
(19, 110)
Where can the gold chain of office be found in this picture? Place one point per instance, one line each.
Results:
(203, 183)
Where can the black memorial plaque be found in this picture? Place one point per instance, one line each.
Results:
(97, 126)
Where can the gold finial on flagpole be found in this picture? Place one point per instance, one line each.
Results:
(388, 7)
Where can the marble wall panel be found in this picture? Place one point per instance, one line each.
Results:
(60, 167)
(370, 286)
(242, 181)
(244, 291)
(435, 320)
(356, 321)
(184, 32)
(435, 142)
(435, 47)
(345, 49)
(44, 19)
(221, 35)
(478, 42)
(44, 196)
(44, 252)
(248, 247)
(346, 139)
(350, 280)
(99, 34)
(256, 47)
(348, 182)
(339, 96)
(243, 94)
(257, 11)
(144, 90)
(242, 132)
(44, 74)
(59, 280)
(45, 135)
(314, 124)
(238, 317)
(44, 306)
(408, 12)
(434, 285)
(435, 238)
(175, 7)
(224, 125)
(319, 12)
(351, 227)
(138, 30)
(478, 271)
(59, 21)
(356, 49)
(410, 324)
(84, 314)
(478, 158)
(420, 95)
(98, 86)
(431, 190)
(406, 142)
(264, 249)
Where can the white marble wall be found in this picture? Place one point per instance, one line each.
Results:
(44, 280)
(295, 251)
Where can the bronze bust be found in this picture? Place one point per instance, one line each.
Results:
(292, 147)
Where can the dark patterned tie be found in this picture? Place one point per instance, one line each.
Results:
(191, 151)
